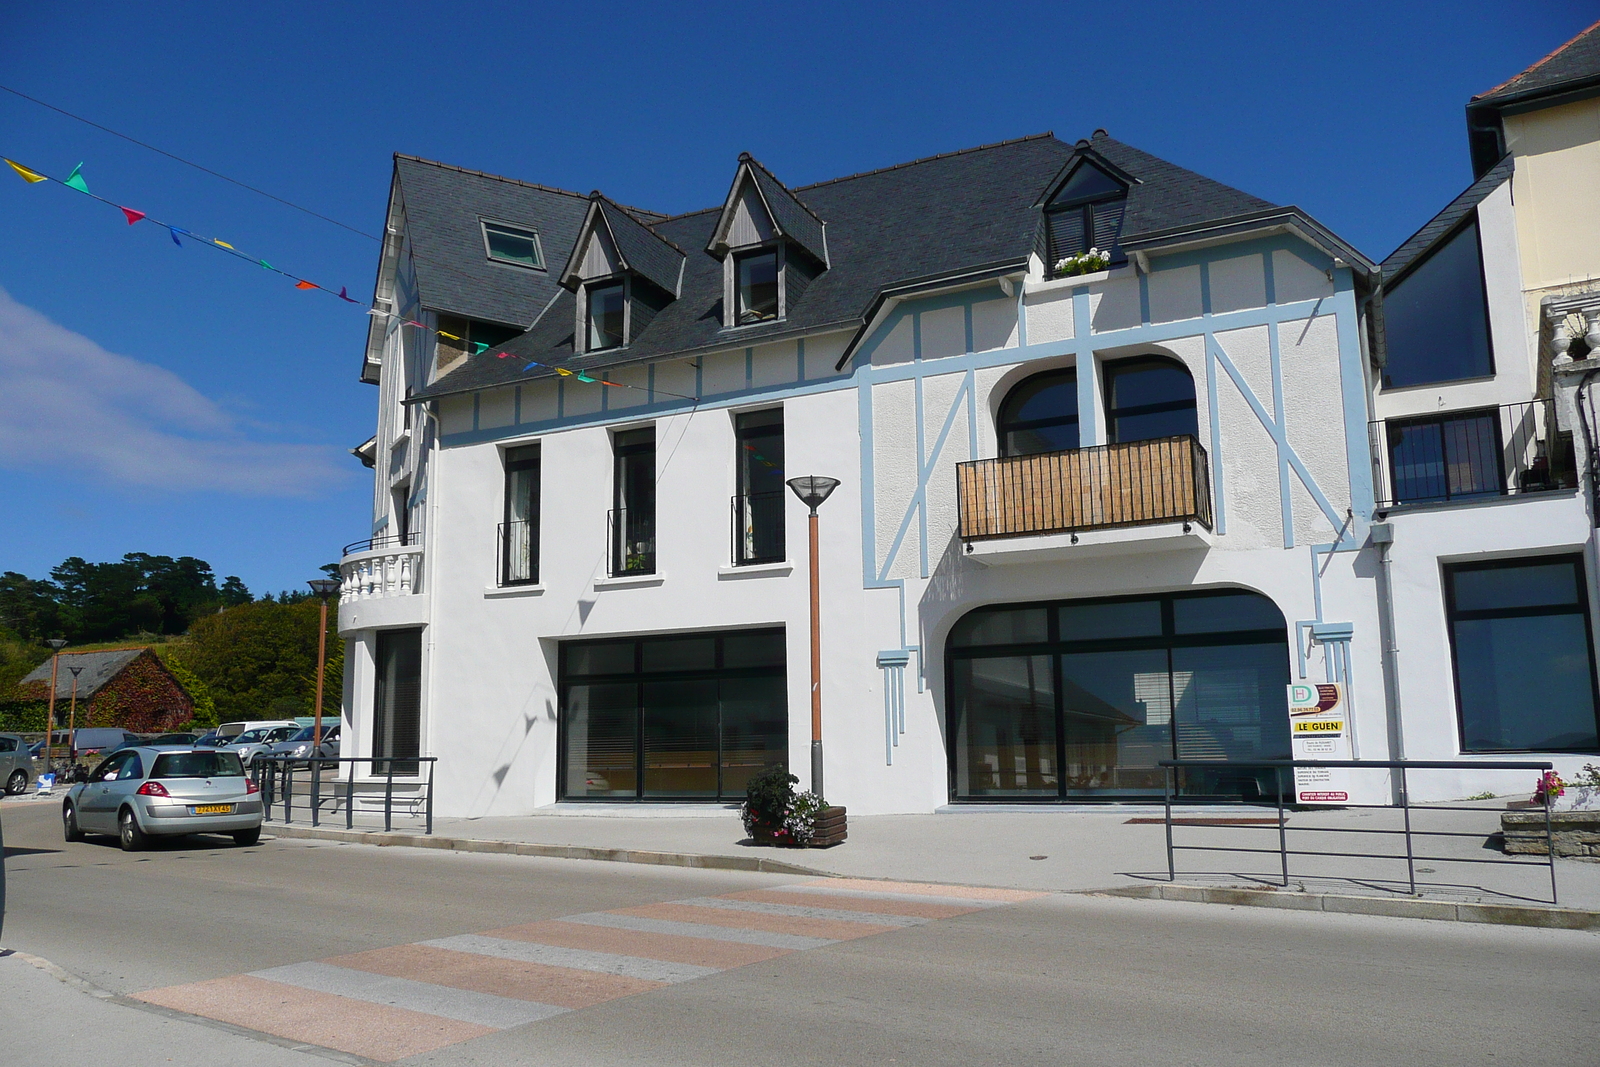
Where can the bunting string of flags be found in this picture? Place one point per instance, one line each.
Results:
(76, 181)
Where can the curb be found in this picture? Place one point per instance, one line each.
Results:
(1552, 918)
(560, 852)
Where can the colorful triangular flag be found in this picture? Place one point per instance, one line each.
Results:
(27, 175)
(582, 377)
(441, 333)
(224, 244)
(479, 348)
(174, 231)
(133, 216)
(303, 284)
(75, 180)
(265, 265)
(346, 296)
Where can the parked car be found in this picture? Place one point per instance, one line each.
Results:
(92, 740)
(183, 738)
(144, 792)
(210, 740)
(247, 744)
(229, 730)
(16, 764)
(131, 741)
(298, 747)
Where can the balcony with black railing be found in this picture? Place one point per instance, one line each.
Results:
(630, 542)
(1476, 455)
(1162, 482)
(519, 552)
(757, 528)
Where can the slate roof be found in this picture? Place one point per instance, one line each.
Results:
(963, 212)
(443, 208)
(1572, 65)
(1413, 248)
(99, 668)
(794, 219)
(642, 249)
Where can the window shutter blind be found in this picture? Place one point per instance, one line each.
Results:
(1066, 235)
(1108, 226)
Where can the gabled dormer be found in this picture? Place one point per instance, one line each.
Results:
(1083, 209)
(622, 273)
(771, 246)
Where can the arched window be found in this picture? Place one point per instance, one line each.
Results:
(1040, 414)
(1147, 398)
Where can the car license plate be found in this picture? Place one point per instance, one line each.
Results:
(212, 809)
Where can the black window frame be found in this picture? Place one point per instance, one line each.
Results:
(519, 460)
(1006, 425)
(1579, 607)
(1110, 369)
(1470, 220)
(764, 514)
(1394, 429)
(515, 231)
(1087, 210)
(1053, 646)
(630, 522)
(392, 750)
(640, 677)
(593, 289)
(742, 257)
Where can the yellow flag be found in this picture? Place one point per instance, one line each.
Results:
(27, 175)
(452, 336)
(224, 244)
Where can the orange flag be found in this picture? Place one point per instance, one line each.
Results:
(303, 284)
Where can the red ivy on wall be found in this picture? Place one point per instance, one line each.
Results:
(143, 697)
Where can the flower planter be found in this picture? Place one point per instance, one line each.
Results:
(830, 831)
(1575, 833)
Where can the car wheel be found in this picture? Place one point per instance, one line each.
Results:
(246, 838)
(69, 824)
(17, 783)
(128, 832)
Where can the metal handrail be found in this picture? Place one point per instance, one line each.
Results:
(630, 538)
(757, 517)
(1477, 453)
(407, 540)
(518, 568)
(1283, 851)
(280, 769)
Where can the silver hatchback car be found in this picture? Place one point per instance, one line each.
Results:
(145, 792)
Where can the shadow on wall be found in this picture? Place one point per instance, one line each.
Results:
(516, 738)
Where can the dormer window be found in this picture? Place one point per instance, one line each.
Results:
(1085, 213)
(607, 315)
(757, 284)
(512, 244)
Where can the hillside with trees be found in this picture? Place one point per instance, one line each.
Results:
(238, 656)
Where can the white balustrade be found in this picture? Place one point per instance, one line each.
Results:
(381, 572)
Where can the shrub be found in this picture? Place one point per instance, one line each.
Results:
(771, 804)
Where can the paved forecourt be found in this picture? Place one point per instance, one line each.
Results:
(389, 1003)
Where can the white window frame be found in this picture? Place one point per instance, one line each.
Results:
(514, 230)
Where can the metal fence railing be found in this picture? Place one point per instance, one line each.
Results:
(1479, 453)
(630, 541)
(758, 527)
(1134, 484)
(519, 552)
(326, 787)
(405, 540)
(1283, 773)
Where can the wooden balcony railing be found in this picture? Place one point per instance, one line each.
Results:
(1136, 484)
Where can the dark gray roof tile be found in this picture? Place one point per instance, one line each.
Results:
(1445, 221)
(1571, 65)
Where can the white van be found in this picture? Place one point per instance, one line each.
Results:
(229, 730)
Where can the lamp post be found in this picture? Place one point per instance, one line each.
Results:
(72, 720)
(323, 588)
(812, 491)
(58, 644)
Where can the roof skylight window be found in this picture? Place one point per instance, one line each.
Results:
(512, 244)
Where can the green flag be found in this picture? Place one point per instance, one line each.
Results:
(75, 180)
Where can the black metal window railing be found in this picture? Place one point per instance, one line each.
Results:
(1475, 454)
(405, 540)
(631, 541)
(758, 528)
(1139, 483)
(519, 552)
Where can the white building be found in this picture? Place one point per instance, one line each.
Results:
(1086, 523)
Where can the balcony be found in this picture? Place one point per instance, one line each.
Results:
(1104, 499)
(1474, 456)
(382, 583)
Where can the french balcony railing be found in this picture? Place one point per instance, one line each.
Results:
(758, 528)
(630, 542)
(1140, 483)
(519, 552)
(1478, 454)
(381, 567)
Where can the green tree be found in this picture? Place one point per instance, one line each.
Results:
(233, 592)
(250, 655)
(205, 705)
(30, 609)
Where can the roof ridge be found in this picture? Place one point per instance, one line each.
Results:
(1529, 70)
(768, 171)
(518, 181)
(647, 227)
(924, 159)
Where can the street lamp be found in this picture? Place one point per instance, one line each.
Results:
(72, 721)
(323, 588)
(58, 644)
(812, 491)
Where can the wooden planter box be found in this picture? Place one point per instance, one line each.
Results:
(830, 831)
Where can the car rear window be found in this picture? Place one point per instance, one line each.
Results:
(197, 765)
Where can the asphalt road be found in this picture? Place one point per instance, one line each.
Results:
(1044, 980)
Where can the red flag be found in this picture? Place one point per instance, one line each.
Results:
(133, 216)
(302, 284)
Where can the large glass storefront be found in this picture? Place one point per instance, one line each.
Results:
(1082, 698)
(677, 717)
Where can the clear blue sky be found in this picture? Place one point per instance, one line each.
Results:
(174, 401)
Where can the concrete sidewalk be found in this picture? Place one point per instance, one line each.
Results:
(1062, 849)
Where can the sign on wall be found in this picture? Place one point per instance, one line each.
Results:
(1319, 729)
